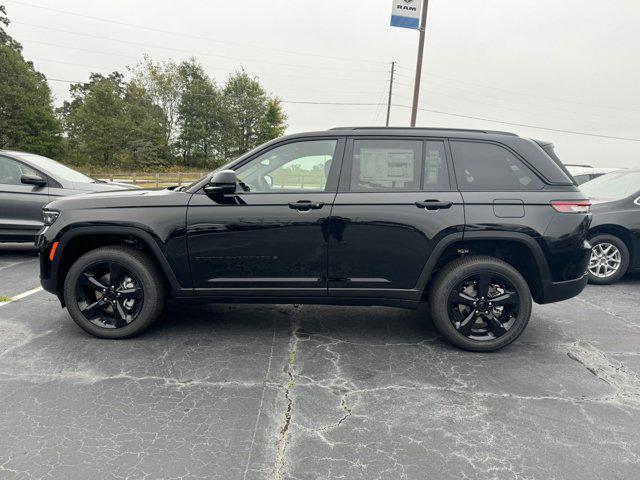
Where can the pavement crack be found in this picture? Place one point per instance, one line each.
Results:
(284, 432)
(626, 385)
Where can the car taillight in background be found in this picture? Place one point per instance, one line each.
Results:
(572, 206)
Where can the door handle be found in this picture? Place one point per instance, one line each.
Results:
(306, 205)
(434, 204)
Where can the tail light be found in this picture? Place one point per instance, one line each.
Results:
(571, 206)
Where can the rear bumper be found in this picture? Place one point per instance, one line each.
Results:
(558, 291)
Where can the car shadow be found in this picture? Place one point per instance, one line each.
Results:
(384, 323)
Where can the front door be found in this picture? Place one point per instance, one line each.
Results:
(20, 204)
(395, 203)
(270, 237)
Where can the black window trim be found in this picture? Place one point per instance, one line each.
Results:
(495, 189)
(347, 163)
(334, 172)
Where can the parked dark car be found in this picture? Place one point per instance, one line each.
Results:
(477, 223)
(615, 229)
(27, 183)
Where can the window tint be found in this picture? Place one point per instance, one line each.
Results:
(436, 172)
(386, 165)
(11, 171)
(485, 166)
(299, 166)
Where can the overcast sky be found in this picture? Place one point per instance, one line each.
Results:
(566, 65)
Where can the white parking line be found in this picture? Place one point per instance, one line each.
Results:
(21, 295)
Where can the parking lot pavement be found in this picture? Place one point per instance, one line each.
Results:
(308, 392)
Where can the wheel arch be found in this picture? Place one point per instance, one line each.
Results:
(519, 250)
(78, 241)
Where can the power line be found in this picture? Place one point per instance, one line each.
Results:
(268, 74)
(301, 102)
(196, 37)
(572, 132)
(528, 94)
(189, 52)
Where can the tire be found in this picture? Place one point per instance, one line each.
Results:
(601, 241)
(484, 327)
(145, 286)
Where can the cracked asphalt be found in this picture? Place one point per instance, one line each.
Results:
(310, 392)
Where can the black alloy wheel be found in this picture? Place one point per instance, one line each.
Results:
(114, 291)
(480, 303)
(483, 306)
(109, 295)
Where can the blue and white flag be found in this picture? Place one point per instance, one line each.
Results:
(406, 14)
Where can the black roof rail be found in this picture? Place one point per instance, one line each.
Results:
(578, 165)
(439, 129)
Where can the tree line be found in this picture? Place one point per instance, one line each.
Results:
(167, 114)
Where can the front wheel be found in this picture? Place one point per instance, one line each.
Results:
(480, 303)
(114, 292)
(609, 259)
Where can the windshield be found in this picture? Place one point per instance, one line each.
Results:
(54, 168)
(613, 186)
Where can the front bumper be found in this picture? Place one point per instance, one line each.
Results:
(48, 268)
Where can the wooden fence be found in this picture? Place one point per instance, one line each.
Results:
(152, 180)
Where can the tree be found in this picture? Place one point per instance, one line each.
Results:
(5, 38)
(27, 119)
(252, 116)
(162, 81)
(111, 123)
(200, 117)
(273, 124)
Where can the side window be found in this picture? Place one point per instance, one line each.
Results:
(436, 172)
(11, 171)
(485, 166)
(294, 167)
(386, 165)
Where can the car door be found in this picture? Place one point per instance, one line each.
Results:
(20, 204)
(395, 202)
(270, 237)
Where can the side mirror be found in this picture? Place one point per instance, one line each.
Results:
(33, 180)
(222, 182)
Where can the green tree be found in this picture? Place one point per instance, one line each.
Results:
(27, 118)
(111, 123)
(253, 117)
(274, 122)
(200, 117)
(163, 83)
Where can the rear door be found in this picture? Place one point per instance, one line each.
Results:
(20, 204)
(395, 202)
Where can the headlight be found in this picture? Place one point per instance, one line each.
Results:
(50, 216)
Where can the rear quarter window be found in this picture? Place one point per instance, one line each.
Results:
(487, 166)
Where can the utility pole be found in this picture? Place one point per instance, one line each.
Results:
(416, 88)
(393, 69)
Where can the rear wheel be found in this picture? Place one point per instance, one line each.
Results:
(609, 259)
(480, 303)
(114, 292)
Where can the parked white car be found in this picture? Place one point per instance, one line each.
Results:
(584, 173)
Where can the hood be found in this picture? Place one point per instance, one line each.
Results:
(116, 199)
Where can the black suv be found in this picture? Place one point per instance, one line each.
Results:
(476, 223)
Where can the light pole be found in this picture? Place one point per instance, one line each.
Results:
(416, 87)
